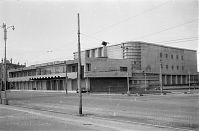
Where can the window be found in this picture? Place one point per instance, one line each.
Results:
(99, 52)
(166, 55)
(135, 62)
(167, 67)
(73, 69)
(182, 67)
(177, 67)
(161, 66)
(93, 53)
(182, 58)
(171, 56)
(160, 55)
(88, 67)
(172, 67)
(88, 53)
(177, 57)
(123, 69)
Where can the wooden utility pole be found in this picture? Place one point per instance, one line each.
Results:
(161, 89)
(79, 69)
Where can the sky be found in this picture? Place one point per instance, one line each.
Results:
(46, 30)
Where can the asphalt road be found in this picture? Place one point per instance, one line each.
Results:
(151, 112)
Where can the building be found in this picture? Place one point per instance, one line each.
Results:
(98, 74)
(177, 64)
(9, 65)
(111, 68)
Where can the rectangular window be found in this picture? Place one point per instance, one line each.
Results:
(166, 55)
(88, 67)
(182, 67)
(177, 57)
(167, 67)
(171, 56)
(172, 67)
(123, 69)
(160, 55)
(177, 67)
(93, 53)
(99, 52)
(182, 58)
(73, 69)
(88, 53)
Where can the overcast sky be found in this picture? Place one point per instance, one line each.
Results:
(47, 30)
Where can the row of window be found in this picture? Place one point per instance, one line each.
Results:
(172, 67)
(172, 56)
(92, 53)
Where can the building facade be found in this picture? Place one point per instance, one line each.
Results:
(9, 65)
(112, 68)
(149, 61)
(98, 74)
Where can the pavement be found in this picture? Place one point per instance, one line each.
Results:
(58, 111)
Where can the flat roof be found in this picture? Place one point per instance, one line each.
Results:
(141, 42)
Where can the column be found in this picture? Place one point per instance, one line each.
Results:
(165, 79)
(51, 85)
(57, 84)
(181, 81)
(171, 80)
(63, 83)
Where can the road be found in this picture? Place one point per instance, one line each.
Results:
(109, 112)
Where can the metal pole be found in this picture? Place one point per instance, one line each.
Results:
(189, 82)
(79, 69)
(161, 89)
(5, 66)
(127, 78)
(1, 77)
(145, 80)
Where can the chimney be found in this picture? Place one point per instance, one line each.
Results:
(11, 60)
(104, 49)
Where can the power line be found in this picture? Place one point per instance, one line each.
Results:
(179, 40)
(131, 17)
(169, 28)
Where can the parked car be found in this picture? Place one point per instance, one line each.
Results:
(84, 90)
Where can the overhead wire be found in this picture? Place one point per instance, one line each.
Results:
(169, 28)
(131, 17)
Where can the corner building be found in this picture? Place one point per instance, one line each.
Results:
(148, 61)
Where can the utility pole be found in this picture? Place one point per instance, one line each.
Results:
(189, 83)
(161, 89)
(79, 69)
(5, 28)
(1, 77)
(145, 80)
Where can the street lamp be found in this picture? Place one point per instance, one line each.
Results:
(5, 28)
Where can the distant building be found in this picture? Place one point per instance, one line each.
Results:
(107, 68)
(9, 65)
